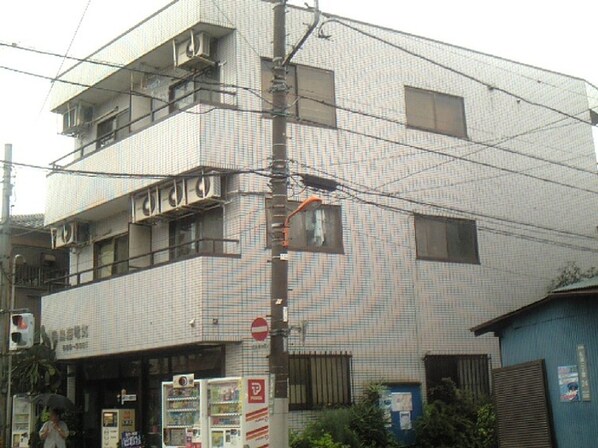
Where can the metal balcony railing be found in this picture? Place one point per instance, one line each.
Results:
(27, 276)
(202, 247)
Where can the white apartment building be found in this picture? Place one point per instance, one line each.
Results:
(464, 182)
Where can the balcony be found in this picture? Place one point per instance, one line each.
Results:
(204, 247)
(37, 277)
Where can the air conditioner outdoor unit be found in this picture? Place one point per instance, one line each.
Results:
(203, 188)
(193, 51)
(173, 196)
(70, 234)
(76, 118)
(146, 205)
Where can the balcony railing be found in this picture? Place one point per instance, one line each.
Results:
(101, 142)
(37, 277)
(211, 247)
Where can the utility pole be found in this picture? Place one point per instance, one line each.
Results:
(4, 278)
(279, 355)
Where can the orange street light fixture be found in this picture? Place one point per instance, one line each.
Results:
(310, 202)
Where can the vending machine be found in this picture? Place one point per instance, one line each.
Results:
(184, 413)
(239, 413)
(22, 421)
(114, 423)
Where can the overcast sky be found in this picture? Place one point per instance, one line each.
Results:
(535, 32)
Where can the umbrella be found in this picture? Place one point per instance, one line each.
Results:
(54, 401)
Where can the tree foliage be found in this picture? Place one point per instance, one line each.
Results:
(359, 426)
(453, 419)
(35, 370)
(571, 273)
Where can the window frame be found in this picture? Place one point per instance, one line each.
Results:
(337, 246)
(424, 241)
(198, 225)
(470, 372)
(436, 98)
(297, 98)
(197, 83)
(119, 265)
(117, 129)
(319, 380)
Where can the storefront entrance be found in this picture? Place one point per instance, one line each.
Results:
(103, 382)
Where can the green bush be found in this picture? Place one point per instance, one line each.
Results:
(453, 419)
(359, 426)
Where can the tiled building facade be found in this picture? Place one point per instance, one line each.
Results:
(465, 182)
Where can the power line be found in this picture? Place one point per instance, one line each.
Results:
(535, 239)
(452, 70)
(66, 53)
(386, 140)
(467, 54)
(253, 91)
(364, 189)
(121, 175)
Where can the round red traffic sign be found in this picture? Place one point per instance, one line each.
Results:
(259, 329)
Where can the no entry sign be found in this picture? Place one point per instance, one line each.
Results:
(259, 329)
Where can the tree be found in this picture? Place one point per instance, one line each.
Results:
(35, 370)
(571, 273)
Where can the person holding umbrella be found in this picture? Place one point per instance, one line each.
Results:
(54, 431)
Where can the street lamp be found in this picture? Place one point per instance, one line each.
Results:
(309, 203)
(279, 355)
(11, 308)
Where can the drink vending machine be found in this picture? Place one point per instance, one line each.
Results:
(114, 423)
(184, 420)
(239, 412)
(22, 421)
(217, 413)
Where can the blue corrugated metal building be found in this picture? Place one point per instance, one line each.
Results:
(560, 334)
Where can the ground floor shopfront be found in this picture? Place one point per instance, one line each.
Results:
(100, 383)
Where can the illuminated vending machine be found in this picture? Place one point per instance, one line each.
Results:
(22, 419)
(239, 412)
(184, 416)
(114, 423)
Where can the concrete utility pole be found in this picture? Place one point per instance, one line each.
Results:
(279, 355)
(4, 278)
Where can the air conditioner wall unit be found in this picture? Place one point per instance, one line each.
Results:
(70, 234)
(193, 51)
(203, 188)
(173, 196)
(76, 118)
(146, 205)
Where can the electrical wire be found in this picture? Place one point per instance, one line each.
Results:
(366, 190)
(66, 54)
(256, 92)
(455, 71)
(386, 140)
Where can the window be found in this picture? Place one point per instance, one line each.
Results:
(446, 239)
(468, 372)
(437, 112)
(311, 93)
(316, 230)
(113, 129)
(319, 381)
(200, 233)
(201, 88)
(111, 257)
